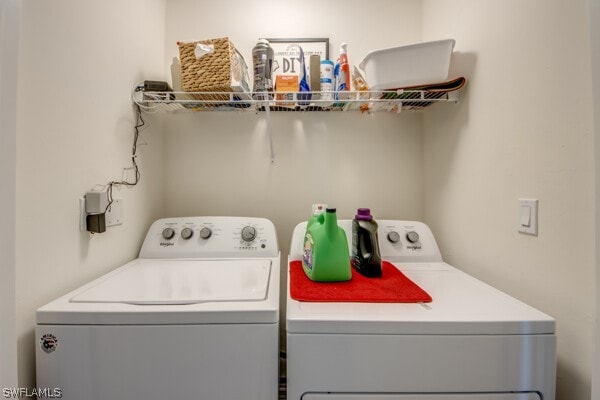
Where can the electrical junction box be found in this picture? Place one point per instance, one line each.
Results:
(96, 203)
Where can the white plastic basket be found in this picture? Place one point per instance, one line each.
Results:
(403, 66)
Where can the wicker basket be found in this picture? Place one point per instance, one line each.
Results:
(211, 73)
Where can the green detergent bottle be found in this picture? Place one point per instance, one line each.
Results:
(326, 257)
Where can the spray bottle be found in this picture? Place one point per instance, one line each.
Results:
(342, 73)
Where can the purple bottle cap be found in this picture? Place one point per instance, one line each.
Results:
(363, 214)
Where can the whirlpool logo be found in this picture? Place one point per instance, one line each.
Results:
(48, 343)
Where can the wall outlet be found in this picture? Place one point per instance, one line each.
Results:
(113, 217)
(82, 215)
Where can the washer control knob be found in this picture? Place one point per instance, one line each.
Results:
(187, 233)
(412, 237)
(168, 233)
(205, 233)
(393, 237)
(248, 233)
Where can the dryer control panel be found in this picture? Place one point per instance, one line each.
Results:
(211, 237)
(407, 241)
(399, 241)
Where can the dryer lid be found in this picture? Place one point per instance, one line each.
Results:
(167, 282)
(462, 305)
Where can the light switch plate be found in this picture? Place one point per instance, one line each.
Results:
(528, 216)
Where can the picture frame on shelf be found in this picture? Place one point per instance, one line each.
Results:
(286, 60)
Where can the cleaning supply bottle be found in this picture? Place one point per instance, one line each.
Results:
(342, 73)
(366, 257)
(326, 257)
(303, 84)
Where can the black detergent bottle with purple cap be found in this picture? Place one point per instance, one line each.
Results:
(366, 257)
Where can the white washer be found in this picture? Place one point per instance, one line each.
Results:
(472, 342)
(194, 317)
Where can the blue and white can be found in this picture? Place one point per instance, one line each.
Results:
(327, 83)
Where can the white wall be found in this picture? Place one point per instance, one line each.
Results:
(524, 129)
(527, 135)
(78, 63)
(365, 27)
(9, 40)
(594, 18)
(218, 164)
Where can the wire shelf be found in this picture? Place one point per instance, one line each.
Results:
(361, 101)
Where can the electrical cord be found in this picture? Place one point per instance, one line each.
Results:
(138, 176)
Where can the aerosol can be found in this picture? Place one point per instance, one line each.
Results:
(262, 62)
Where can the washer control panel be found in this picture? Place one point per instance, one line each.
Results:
(211, 237)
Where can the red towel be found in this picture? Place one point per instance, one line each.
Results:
(392, 287)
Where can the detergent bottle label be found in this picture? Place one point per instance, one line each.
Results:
(307, 255)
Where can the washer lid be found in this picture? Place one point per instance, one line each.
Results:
(162, 292)
(169, 282)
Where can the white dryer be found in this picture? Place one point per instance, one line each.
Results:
(194, 317)
(472, 342)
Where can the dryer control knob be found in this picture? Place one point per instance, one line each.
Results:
(248, 233)
(393, 237)
(187, 233)
(168, 233)
(205, 233)
(412, 237)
